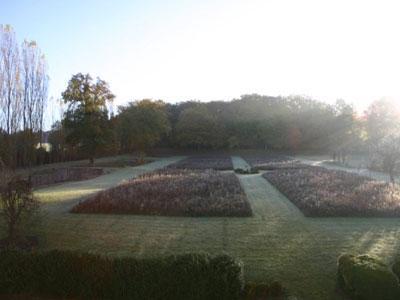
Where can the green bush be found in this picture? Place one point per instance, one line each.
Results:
(87, 276)
(367, 278)
(396, 268)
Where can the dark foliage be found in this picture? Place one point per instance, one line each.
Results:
(17, 204)
(173, 192)
(264, 291)
(86, 120)
(216, 162)
(86, 276)
(321, 192)
(367, 278)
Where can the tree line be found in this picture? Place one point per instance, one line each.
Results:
(89, 128)
(295, 123)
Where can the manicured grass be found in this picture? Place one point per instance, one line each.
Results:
(203, 162)
(173, 192)
(318, 191)
(277, 243)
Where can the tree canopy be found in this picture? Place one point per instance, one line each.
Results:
(142, 124)
(86, 118)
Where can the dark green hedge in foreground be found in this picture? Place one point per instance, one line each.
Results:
(57, 273)
(365, 277)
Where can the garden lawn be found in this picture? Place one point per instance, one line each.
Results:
(277, 243)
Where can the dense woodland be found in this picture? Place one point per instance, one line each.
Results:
(89, 128)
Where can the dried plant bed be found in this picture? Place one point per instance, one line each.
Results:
(173, 192)
(319, 192)
(119, 163)
(217, 162)
(57, 175)
(271, 161)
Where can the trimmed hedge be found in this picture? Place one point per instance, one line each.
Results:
(260, 291)
(87, 276)
(396, 268)
(365, 277)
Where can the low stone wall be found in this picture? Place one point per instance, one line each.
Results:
(52, 176)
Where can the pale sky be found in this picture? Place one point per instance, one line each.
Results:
(220, 49)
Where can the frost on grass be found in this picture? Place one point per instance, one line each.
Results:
(270, 161)
(216, 162)
(317, 191)
(173, 192)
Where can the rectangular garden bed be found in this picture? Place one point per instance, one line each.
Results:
(216, 162)
(319, 192)
(173, 192)
(57, 175)
(270, 161)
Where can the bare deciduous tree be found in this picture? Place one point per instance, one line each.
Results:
(11, 91)
(23, 96)
(35, 80)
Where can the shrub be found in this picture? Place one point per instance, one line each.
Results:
(17, 206)
(321, 192)
(264, 291)
(86, 276)
(367, 278)
(215, 162)
(173, 193)
(396, 268)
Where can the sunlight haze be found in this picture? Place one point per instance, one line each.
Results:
(218, 50)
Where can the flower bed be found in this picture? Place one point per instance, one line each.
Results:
(270, 161)
(173, 192)
(317, 191)
(217, 162)
(58, 175)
